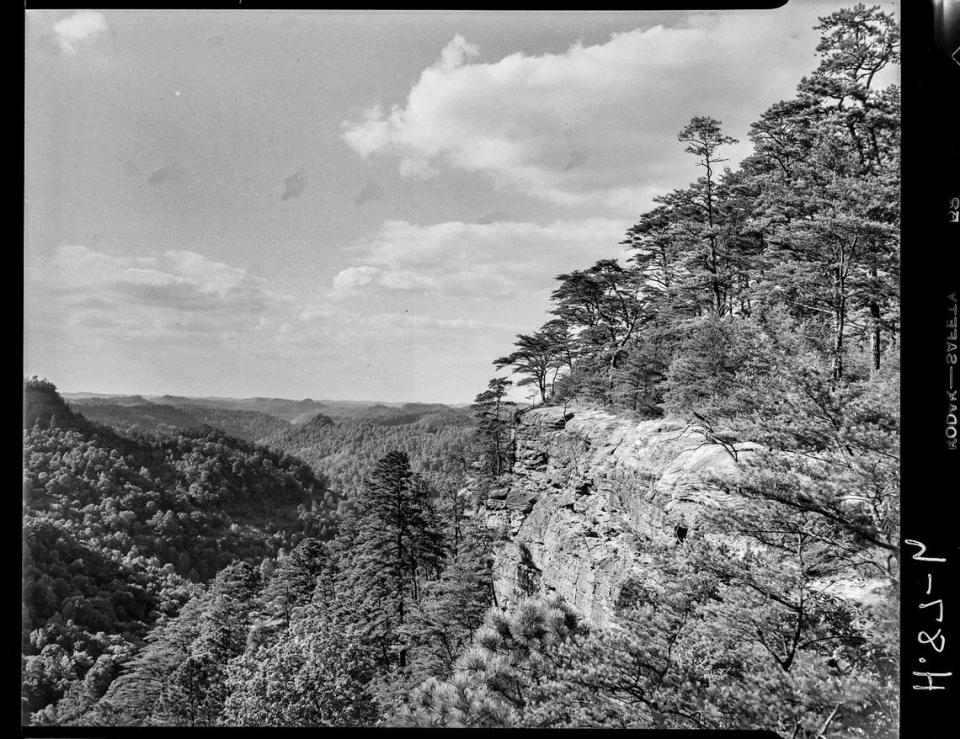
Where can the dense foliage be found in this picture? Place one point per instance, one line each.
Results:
(169, 578)
(802, 238)
(345, 450)
(117, 530)
(329, 633)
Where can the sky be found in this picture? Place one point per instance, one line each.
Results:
(353, 205)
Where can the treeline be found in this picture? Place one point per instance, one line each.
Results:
(802, 240)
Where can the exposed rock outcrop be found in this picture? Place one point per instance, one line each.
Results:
(587, 490)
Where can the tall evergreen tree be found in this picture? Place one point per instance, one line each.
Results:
(453, 607)
(493, 424)
(385, 555)
(537, 357)
(291, 586)
(603, 304)
(706, 262)
(194, 693)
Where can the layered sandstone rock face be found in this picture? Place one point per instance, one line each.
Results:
(587, 491)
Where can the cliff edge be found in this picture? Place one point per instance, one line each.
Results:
(587, 490)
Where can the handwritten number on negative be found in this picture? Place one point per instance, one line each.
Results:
(939, 603)
(924, 638)
(919, 555)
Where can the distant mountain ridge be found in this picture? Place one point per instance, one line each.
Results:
(157, 417)
(285, 409)
(125, 400)
(251, 419)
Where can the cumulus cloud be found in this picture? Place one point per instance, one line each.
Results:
(176, 291)
(370, 135)
(354, 277)
(594, 125)
(495, 259)
(178, 313)
(456, 53)
(78, 29)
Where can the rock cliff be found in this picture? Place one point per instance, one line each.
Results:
(587, 490)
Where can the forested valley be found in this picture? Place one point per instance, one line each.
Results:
(339, 572)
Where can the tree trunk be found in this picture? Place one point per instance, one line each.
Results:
(840, 314)
(875, 334)
(838, 345)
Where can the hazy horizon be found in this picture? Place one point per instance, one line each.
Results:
(358, 401)
(352, 204)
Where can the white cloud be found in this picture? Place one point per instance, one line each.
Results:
(180, 316)
(370, 135)
(410, 321)
(181, 301)
(477, 260)
(595, 125)
(411, 168)
(79, 28)
(456, 53)
(354, 277)
(167, 294)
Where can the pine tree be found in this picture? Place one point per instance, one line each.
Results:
(507, 673)
(387, 552)
(316, 673)
(453, 607)
(293, 582)
(537, 357)
(713, 353)
(706, 261)
(490, 411)
(193, 695)
(604, 305)
(639, 380)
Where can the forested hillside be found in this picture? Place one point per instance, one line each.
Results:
(757, 307)
(120, 531)
(329, 633)
(145, 417)
(126, 536)
(345, 451)
(135, 414)
(293, 411)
